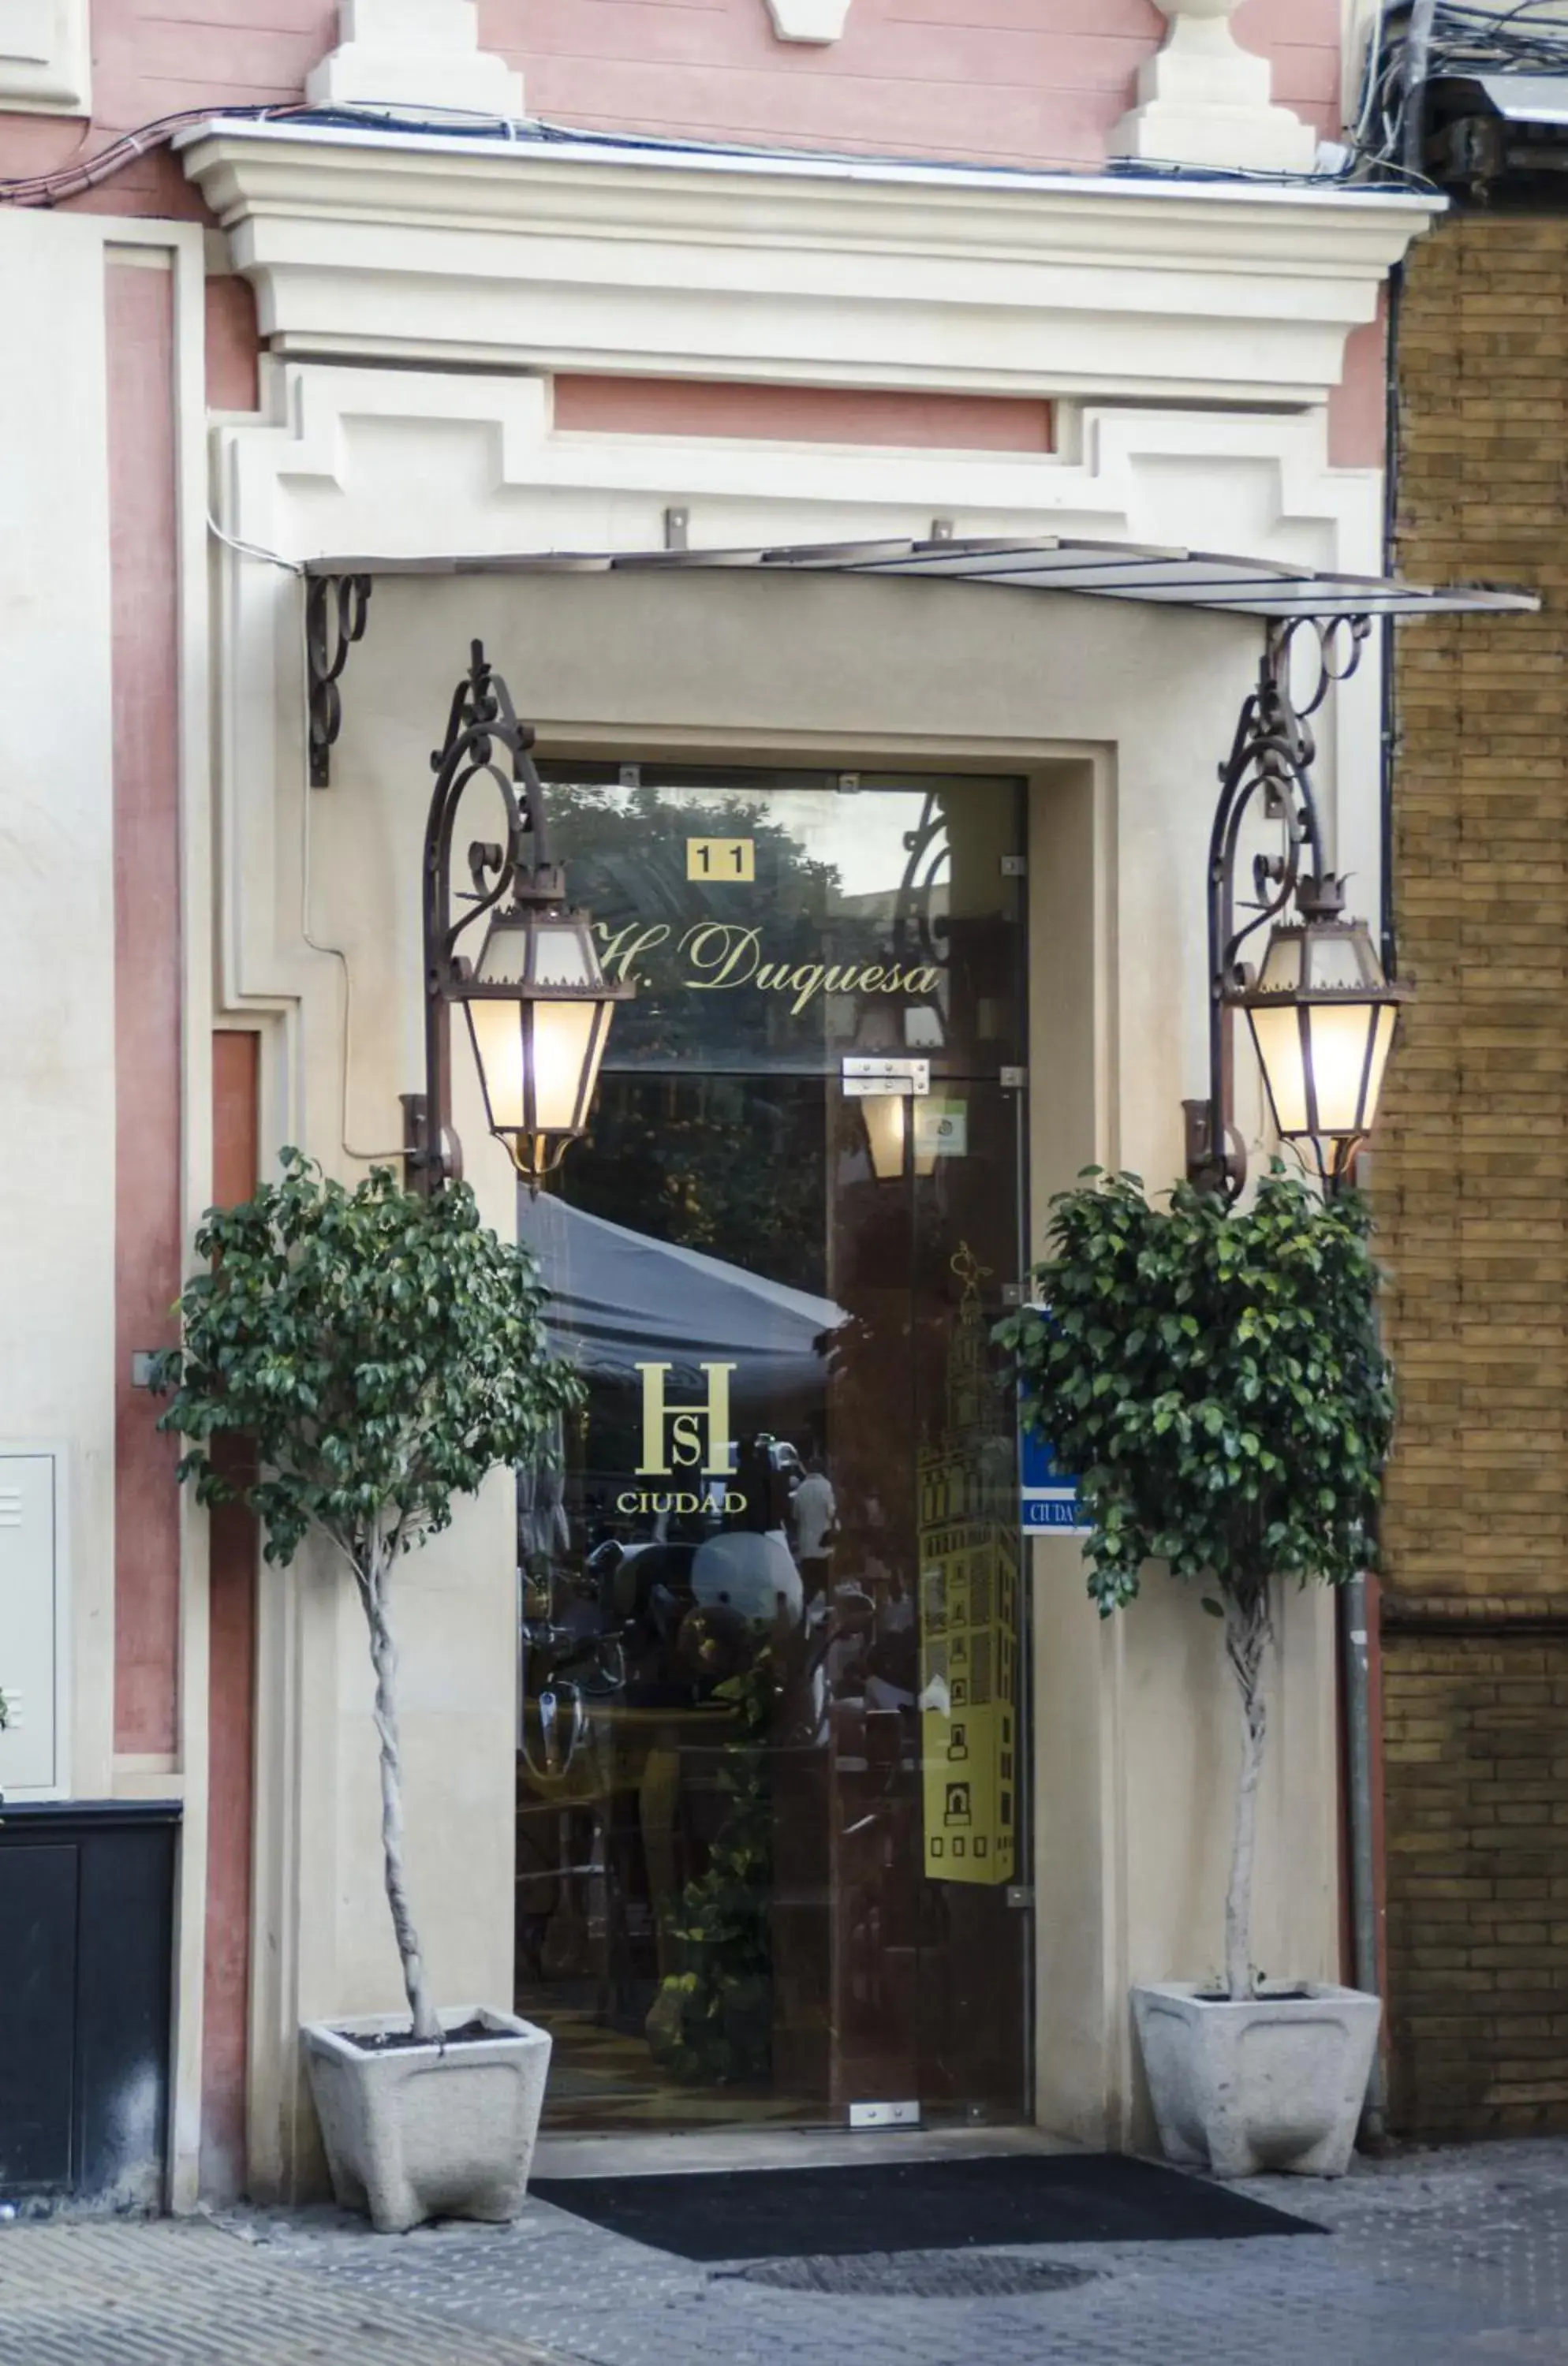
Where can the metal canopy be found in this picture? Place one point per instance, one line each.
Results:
(1108, 570)
(1513, 97)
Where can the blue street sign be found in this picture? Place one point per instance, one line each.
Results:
(1048, 1500)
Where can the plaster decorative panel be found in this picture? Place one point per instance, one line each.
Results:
(318, 897)
(1204, 99)
(810, 20)
(403, 464)
(45, 57)
(419, 56)
(571, 255)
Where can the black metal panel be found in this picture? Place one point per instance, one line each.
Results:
(86, 1918)
(123, 2010)
(38, 1987)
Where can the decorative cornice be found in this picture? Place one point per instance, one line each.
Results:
(589, 255)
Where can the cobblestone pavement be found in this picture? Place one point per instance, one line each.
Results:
(123, 2292)
(1450, 2259)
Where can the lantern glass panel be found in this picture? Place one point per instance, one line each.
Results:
(1336, 961)
(1388, 1020)
(1278, 1035)
(504, 959)
(1338, 1033)
(1282, 970)
(498, 1033)
(564, 954)
(565, 1066)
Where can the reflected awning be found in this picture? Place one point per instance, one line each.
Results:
(1152, 573)
(619, 1299)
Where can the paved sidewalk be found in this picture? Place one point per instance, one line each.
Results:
(1451, 2259)
(126, 2292)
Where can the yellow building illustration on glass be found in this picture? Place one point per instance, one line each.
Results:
(968, 1602)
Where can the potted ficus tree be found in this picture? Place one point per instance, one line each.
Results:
(1211, 1379)
(378, 1353)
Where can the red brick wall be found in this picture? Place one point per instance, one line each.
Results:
(1476, 1775)
(1472, 1169)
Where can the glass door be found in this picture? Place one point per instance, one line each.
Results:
(770, 1770)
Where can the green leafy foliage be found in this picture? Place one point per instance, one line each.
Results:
(377, 1352)
(712, 2021)
(1212, 1381)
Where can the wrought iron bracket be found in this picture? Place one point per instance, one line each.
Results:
(485, 741)
(335, 611)
(1270, 759)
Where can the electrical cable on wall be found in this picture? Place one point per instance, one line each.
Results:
(68, 181)
(1464, 40)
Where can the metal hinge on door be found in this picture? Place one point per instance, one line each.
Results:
(885, 2115)
(1015, 866)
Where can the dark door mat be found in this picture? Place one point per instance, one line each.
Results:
(920, 2205)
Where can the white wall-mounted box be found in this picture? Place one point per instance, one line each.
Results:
(32, 1621)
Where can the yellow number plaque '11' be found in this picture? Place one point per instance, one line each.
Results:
(721, 858)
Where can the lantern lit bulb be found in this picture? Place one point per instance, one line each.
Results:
(539, 1009)
(1322, 1019)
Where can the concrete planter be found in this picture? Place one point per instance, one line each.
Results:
(1276, 2083)
(419, 2132)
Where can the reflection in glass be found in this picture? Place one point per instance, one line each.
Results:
(769, 1600)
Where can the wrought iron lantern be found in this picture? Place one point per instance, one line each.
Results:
(1322, 1019)
(538, 1003)
(1321, 1013)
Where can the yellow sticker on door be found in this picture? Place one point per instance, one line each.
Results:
(721, 858)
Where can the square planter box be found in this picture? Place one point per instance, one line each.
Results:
(1275, 2083)
(421, 2131)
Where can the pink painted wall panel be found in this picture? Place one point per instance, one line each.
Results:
(1357, 408)
(232, 347)
(821, 414)
(1026, 82)
(230, 1699)
(142, 571)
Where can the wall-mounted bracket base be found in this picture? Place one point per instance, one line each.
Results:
(1215, 1163)
(426, 1168)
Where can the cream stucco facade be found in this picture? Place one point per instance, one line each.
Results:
(419, 293)
(1191, 340)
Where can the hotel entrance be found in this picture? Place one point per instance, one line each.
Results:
(772, 1857)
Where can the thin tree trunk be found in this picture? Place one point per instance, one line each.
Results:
(1248, 1632)
(384, 1657)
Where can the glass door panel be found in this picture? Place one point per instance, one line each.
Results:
(770, 1767)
